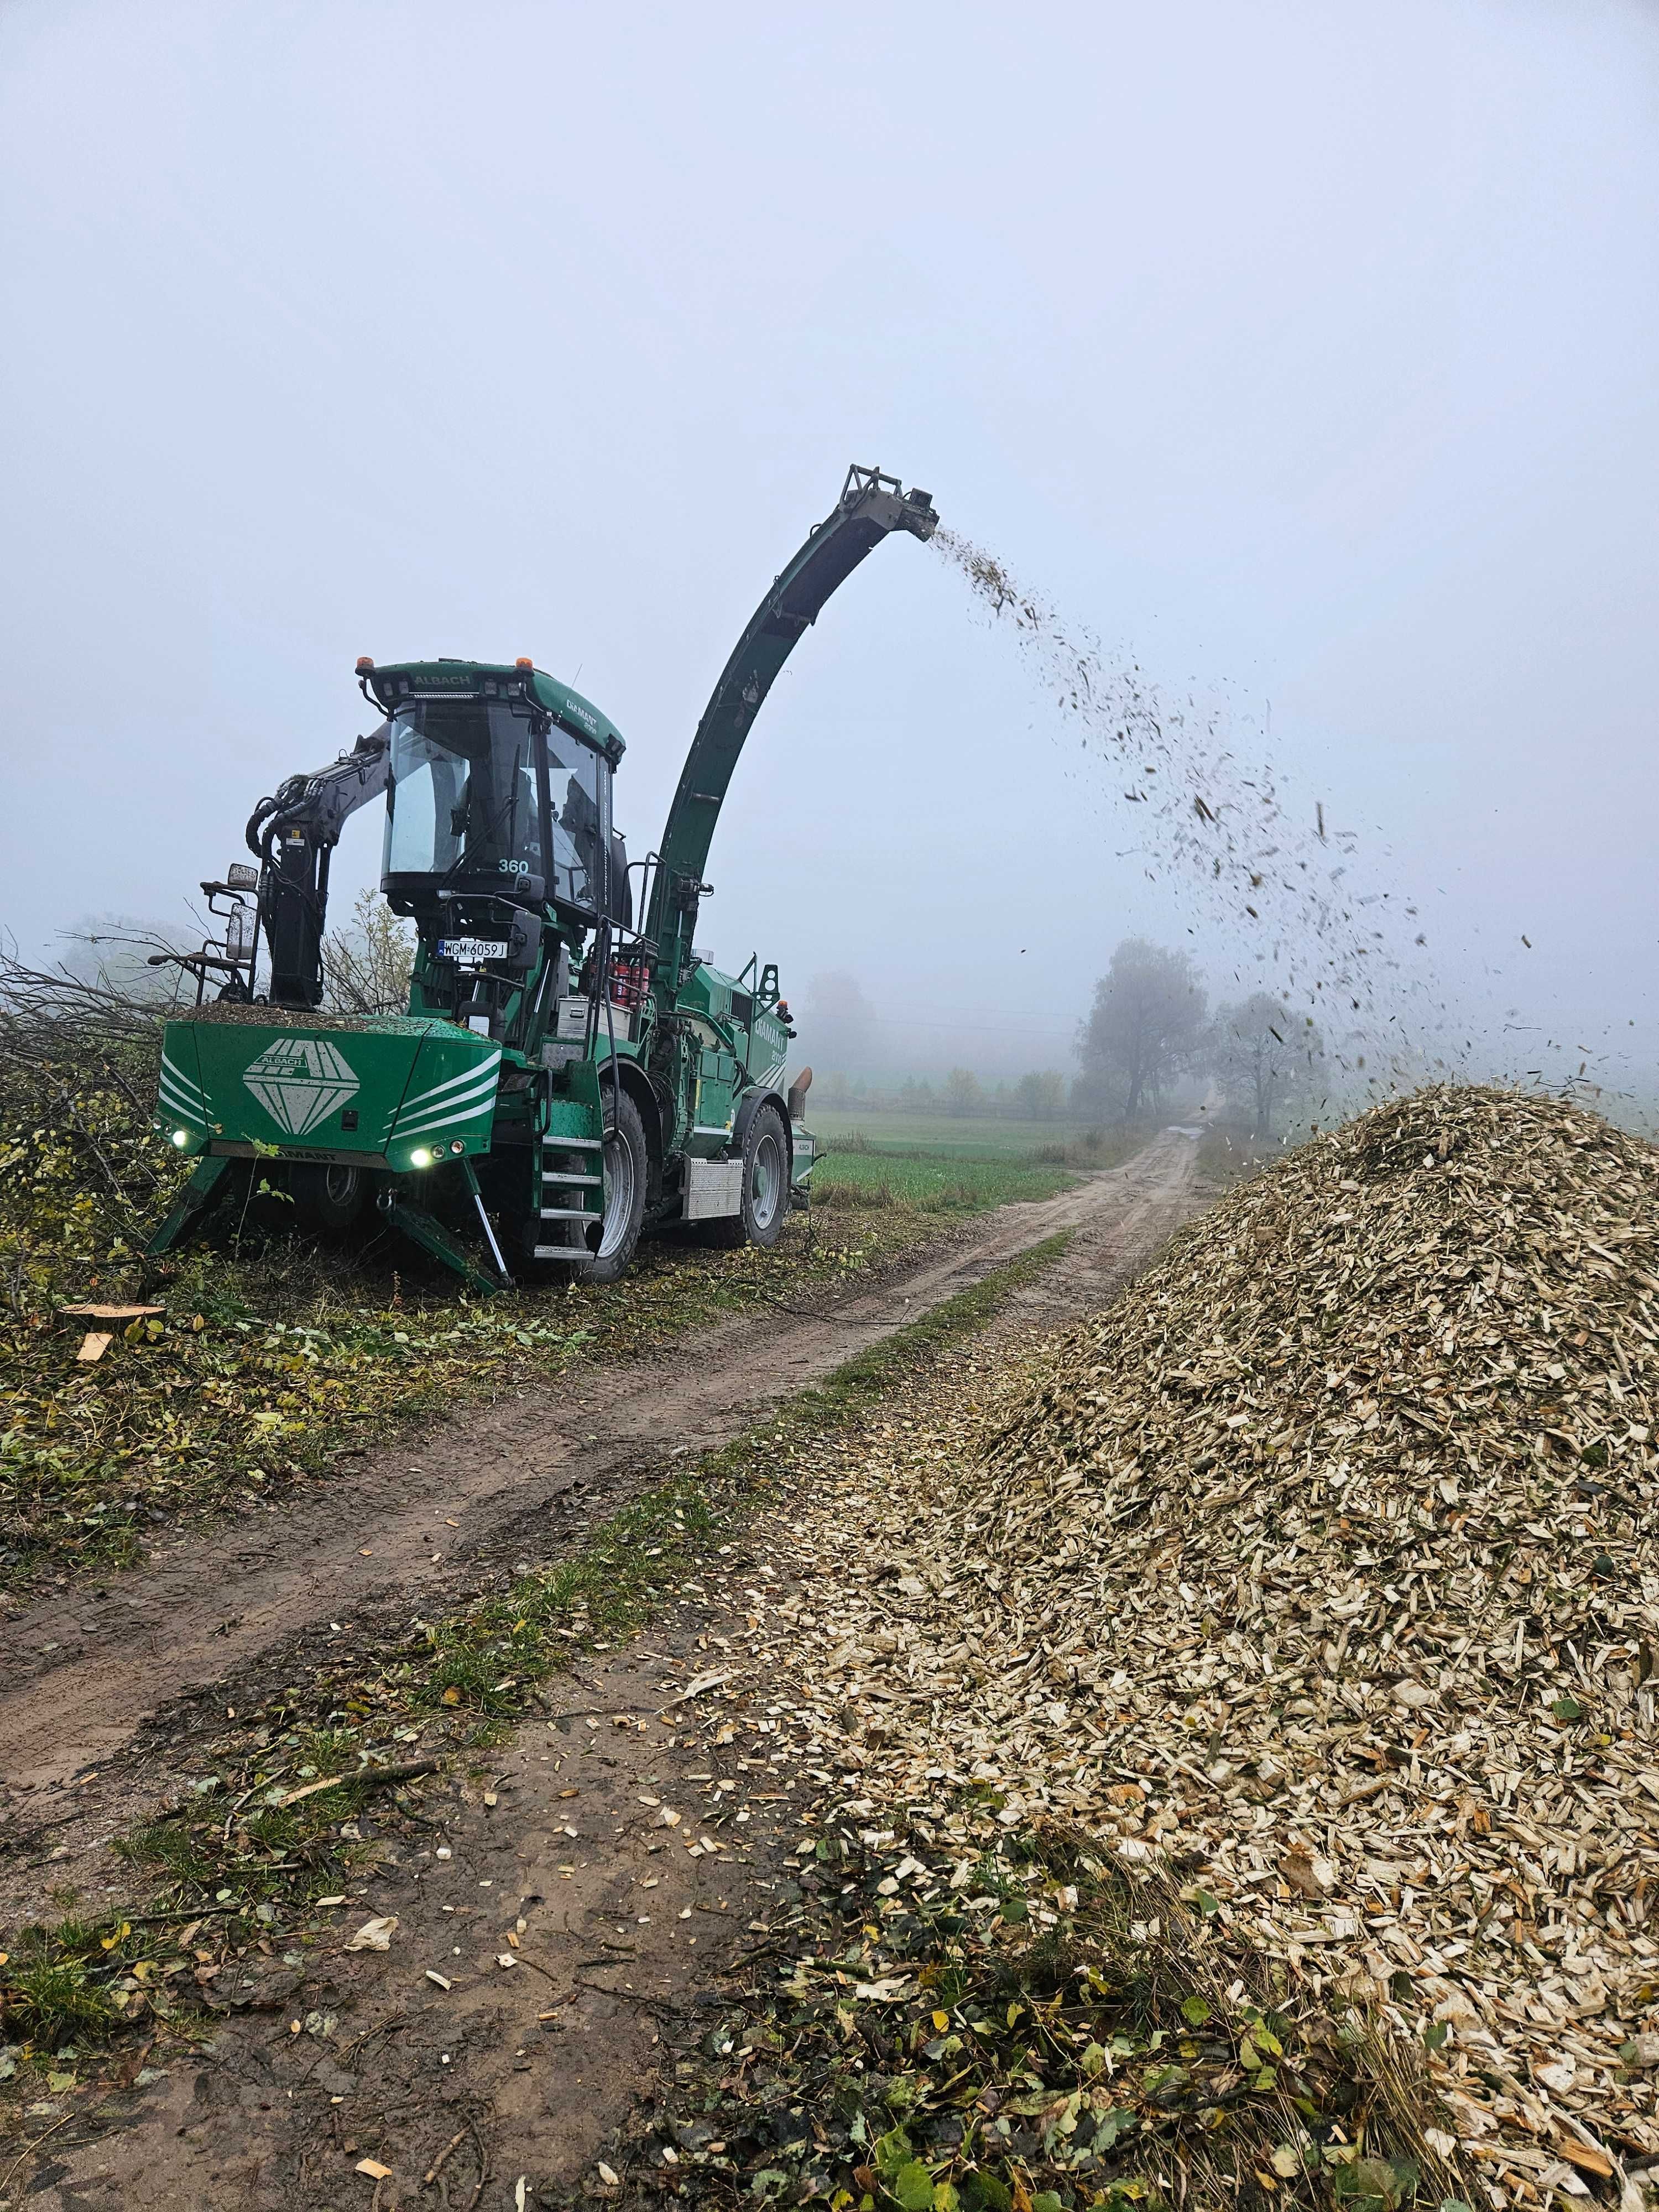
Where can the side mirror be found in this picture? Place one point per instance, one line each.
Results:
(238, 877)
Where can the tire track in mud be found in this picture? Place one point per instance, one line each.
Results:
(426, 1519)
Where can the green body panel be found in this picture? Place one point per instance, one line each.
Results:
(736, 1045)
(367, 1092)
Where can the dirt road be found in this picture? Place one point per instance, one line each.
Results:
(415, 1525)
(559, 1936)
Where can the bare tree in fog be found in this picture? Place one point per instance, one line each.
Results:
(1264, 1056)
(1146, 1027)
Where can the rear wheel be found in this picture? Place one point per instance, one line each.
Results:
(765, 1177)
(327, 1195)
(763, 1206)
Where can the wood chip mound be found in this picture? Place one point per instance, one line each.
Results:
(1323, 1565)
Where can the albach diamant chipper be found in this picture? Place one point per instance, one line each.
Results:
(564, 1077)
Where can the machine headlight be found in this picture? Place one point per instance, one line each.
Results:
(420, 1157)
(181, 1136)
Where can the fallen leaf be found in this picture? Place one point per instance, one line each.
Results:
(374, 1935)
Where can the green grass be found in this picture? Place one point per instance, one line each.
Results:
(992, 1138)
(891, 1164)
(928, 1181)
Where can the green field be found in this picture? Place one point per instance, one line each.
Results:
(934, 1164)
(963, 1136)
(928, 1183)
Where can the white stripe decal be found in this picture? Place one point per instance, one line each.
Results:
(181, 1082)
(423, 1113)
(193, 1107)
(445, 1094)
(468, 1075)
(423, 1108)
(443, 1120)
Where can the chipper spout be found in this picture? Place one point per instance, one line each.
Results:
(872, 507)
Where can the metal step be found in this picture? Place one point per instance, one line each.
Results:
(569, 1213)
(552, 1175)
(573, 1144)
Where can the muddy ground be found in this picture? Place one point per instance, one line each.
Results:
(564, 1921)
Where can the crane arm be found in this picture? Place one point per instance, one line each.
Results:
(871, 506)
(292, 834)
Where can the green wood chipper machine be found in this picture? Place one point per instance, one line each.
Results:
(571, 1070)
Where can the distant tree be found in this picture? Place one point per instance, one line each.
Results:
(1263, 1056)
(1146, 1028)
(962, 1092)
(366, 965)
(837, 1092)
(840, 1027)
(1041, 1095)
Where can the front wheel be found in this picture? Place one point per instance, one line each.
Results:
(330, 1196)
(626, 1171)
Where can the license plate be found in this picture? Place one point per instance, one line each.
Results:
(469, 951)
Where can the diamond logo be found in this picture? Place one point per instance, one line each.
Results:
(300, 1081)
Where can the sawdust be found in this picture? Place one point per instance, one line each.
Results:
(1322, 1571)
(1264, 867)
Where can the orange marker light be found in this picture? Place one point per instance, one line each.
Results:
(364, 664)
(523, 661)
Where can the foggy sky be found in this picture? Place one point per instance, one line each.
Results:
(1306, 354)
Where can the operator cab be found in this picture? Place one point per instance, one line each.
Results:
(498, 793)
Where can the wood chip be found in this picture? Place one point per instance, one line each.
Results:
(111, 1313)
(1335, 1537)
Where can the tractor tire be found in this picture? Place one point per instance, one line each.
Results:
(627, 1171)
(763, 1206)
(327, 1197)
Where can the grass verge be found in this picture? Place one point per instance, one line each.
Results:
(296, 1798)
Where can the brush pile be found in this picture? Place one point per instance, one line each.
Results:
(1322, 1569)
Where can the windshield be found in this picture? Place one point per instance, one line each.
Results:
(461, 801)
(573, 785)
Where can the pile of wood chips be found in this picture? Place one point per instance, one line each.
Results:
(1323, 1565)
